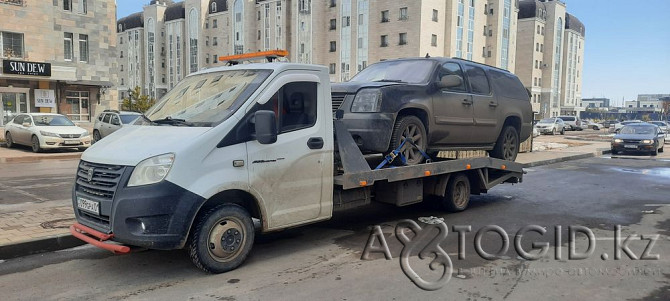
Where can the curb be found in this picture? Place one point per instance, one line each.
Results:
(38, 157)
(37, 246)
(599, 152)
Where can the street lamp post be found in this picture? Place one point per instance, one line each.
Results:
(130, 99)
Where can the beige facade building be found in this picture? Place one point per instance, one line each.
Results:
(549, 57)
(56, 57)
(169, 40)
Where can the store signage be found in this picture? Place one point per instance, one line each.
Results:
(26, 68)
(45, 98)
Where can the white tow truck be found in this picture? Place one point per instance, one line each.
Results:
(247, 142)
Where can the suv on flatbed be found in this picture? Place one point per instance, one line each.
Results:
(441, 103)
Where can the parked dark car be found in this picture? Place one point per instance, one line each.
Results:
(441, 103)
(639, 137)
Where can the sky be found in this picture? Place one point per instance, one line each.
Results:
(627, 46)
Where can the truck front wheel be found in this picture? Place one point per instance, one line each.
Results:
(457, 196)
(222, 239)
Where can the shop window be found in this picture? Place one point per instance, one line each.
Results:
(11, 44)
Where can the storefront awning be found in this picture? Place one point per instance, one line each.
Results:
(90, 83)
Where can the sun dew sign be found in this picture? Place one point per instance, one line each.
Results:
(26, 68)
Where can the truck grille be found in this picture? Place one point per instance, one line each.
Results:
(338, 100)
(98, 180)
(70, 135)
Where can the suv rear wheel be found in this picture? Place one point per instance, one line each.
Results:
(507, 146)
(410, 127)
(96, 136)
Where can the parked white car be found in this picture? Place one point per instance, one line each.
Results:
(46, 131)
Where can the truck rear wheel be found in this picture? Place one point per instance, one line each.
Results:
(222, 239)
(457, 196)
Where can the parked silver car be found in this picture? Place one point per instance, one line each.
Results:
(574, 123)
(551, 126)
(110, 120)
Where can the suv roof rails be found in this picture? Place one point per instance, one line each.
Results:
(494, 67)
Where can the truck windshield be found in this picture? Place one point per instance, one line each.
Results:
(404, 71)
(208, 99)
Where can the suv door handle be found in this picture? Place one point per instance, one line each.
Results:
(467, 102)
(315, 143)
(493, 104)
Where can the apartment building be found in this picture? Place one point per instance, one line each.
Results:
(56, 57)
(550, 55)
(173, 39)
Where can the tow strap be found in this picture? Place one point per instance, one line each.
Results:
(388, 159)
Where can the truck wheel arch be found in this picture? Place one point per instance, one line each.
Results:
(242, 198)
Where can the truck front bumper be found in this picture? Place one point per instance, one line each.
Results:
(157, 216)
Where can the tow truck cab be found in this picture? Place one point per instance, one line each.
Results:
(150, 182)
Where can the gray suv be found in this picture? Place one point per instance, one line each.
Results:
(441, 103)
(111, 120)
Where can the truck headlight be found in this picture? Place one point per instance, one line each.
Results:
(49, 134)
(618, 141)
(366, 101)
(647, 141)
(152, 170)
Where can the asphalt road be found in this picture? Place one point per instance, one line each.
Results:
(323, 261)
(46, 182)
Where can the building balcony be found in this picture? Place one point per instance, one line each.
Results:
(13, 2)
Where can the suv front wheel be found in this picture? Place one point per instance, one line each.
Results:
(507, 146)
(409, 127)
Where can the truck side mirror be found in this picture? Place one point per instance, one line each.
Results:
(450, 81)
(266, 127)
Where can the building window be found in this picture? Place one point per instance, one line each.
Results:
(333, 24)
(402, 39)
(333, 3)
(332, 68)
(384, 41)
(206, 41)
(259, 35)
(193, 40)
(435, 12)
(538, 29)
(215, 41)
(333, 46)
(215, 58)
(215, 22)
(121, 54)
(541, 47)
(385, 16)
(83, 48)
(433, 40)
(68, 49)
(213, 8)
(83, 6)
(122, 83)
(11, 44)
(346, 21)
(67, 5)
(537, 46)
(121, 68)
(403, 13)
(304, 6)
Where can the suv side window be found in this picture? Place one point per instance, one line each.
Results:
(115, 119)
(479, 83)
(453, 69)
(106, 118)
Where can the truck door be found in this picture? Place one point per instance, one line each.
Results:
(485, 106)
(452, 110)
(292, 175)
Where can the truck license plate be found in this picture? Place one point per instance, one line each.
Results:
(630, 146)
(88, 205)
